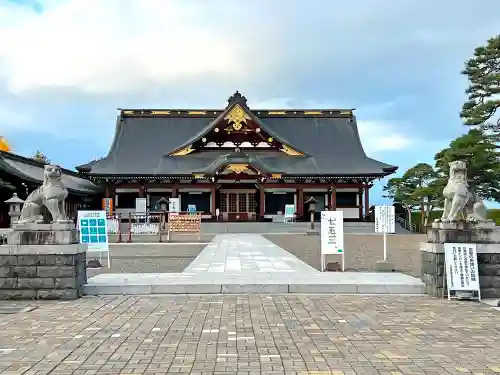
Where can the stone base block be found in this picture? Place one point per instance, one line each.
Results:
(461, 232)
(43, 237)
(488, 260)
(69, 225)
(42, 271)
(312, 232)
(463, 225)
(384, 266)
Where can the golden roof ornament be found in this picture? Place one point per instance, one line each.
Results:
(237, 116)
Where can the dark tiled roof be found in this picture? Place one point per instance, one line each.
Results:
(331, 145)
(31, 170)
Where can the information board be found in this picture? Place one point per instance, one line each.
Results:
(174, 205)
(140, 205)
(289, 212)
(93, 231)
(461, 268)
(332, 235)
(385, 219)
(191, 208)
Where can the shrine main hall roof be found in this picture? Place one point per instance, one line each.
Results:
(171, 142)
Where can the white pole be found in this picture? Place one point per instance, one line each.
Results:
(343, 262)
(385, 246)
(109, 258)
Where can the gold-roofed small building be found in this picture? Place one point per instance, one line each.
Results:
(4, 145)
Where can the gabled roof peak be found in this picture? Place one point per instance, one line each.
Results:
(237, 98)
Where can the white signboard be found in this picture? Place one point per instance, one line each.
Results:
(140, 205)
(385, 222)
(93, 230)
(385, 219)
(289, 212)
(461, 267)
(174, 205)
(332, 235)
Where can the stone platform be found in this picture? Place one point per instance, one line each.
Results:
(43, 234)
(247, 263)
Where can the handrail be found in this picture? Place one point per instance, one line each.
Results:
(405, 224)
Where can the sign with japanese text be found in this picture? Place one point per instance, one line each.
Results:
(332, 232)
(107, 205)
(290, 210)
(140, 205)
(93, 228)
(461, 267)
(174, 205)
(184, 222)
(385, 219)
(192, 208)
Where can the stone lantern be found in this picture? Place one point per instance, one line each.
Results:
(15, 205)
(163, 204)
(312, 210)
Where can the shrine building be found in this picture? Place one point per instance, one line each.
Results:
(244, 163)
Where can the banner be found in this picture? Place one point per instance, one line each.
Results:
(107, 205)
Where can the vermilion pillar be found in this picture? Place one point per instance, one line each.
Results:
(262, 201)
(333, 198)
(300, 202)
(367, 200)
(214, 202)
(360, 204)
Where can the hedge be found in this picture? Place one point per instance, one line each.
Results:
(493, 214)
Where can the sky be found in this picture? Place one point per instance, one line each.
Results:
(67, 65)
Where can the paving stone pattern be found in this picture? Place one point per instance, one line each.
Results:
(252, 335)
(249, 263)
(246, 254)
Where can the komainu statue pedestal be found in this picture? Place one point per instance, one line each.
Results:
(487, 239)
(43, 234)
(43, 260)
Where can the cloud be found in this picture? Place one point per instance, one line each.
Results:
(378, 136)
(106, 46)
(12, 120)
(113, 46)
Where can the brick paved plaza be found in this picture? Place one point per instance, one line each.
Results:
(293, 334)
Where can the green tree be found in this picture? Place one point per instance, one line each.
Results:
(40, 156)
(418, 188)
(483, 73)
(422, 182)
(483, 164)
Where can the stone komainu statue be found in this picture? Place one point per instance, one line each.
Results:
(459, 199)
(51, 195)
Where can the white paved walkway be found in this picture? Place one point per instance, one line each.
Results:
(246, 254)
(249, 263)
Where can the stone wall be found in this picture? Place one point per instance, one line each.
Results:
(489, 274)
(433, 273)
(488, 258)
(42, 271)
